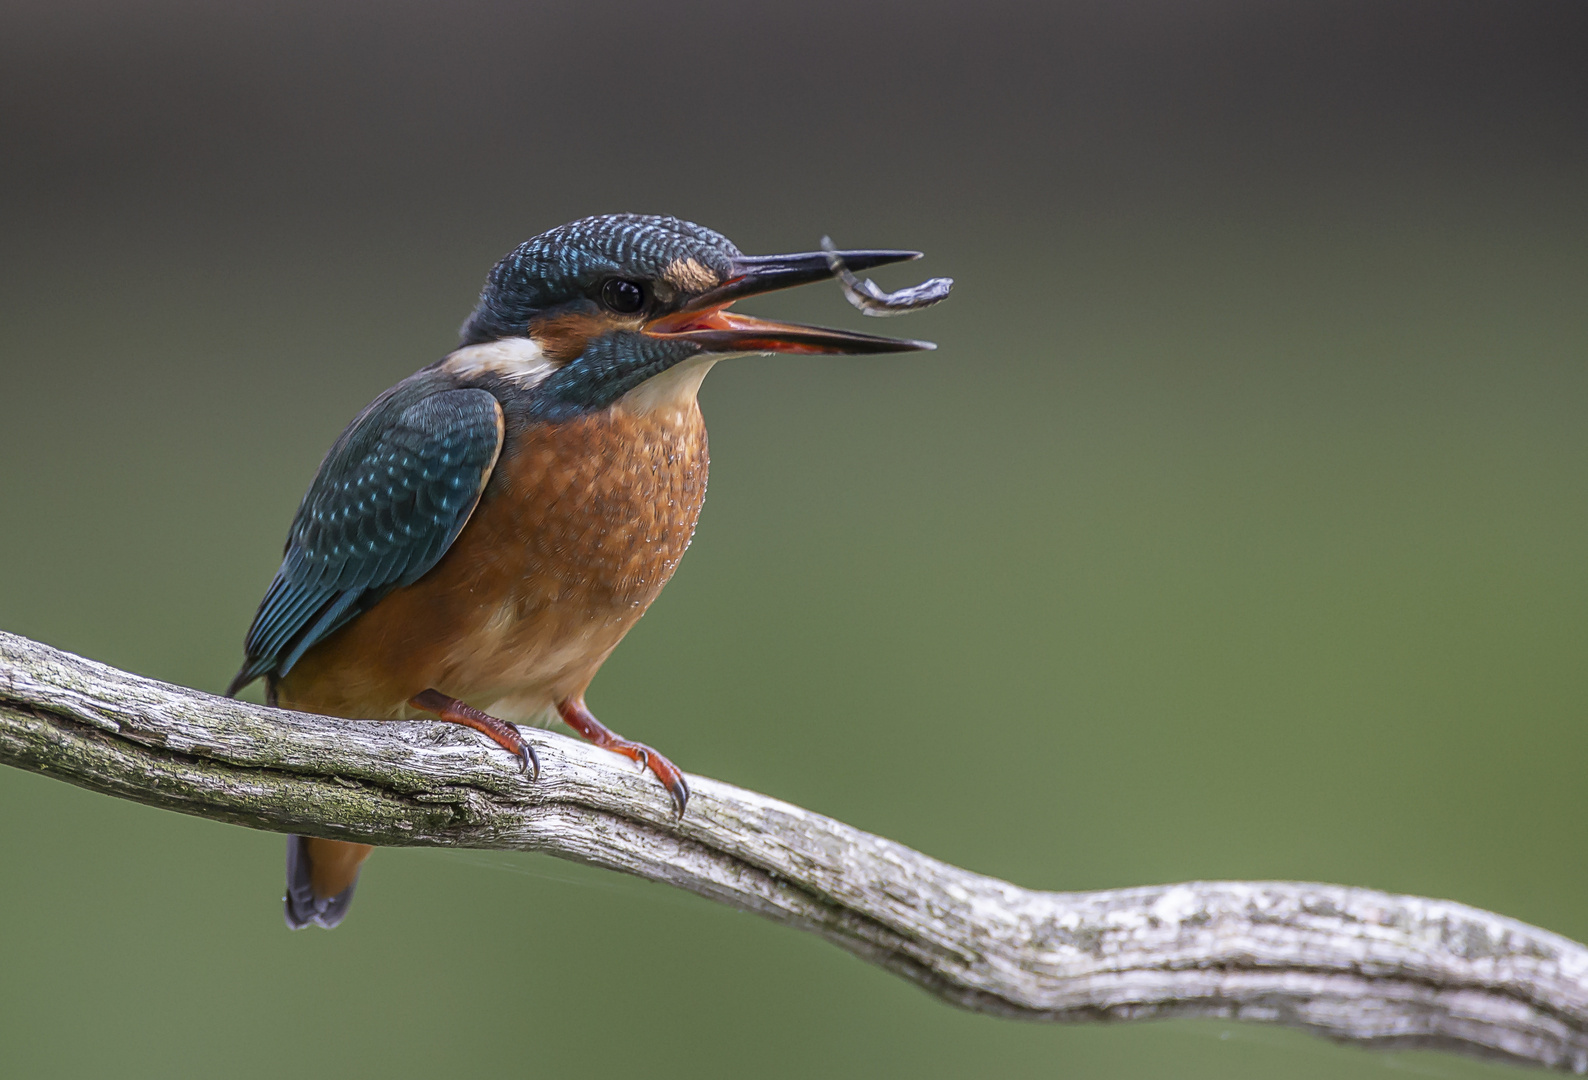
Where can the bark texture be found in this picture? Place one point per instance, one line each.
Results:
(1350, 964)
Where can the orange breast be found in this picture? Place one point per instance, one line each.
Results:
(580, 526)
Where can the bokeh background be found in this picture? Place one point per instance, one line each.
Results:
(1235, 530)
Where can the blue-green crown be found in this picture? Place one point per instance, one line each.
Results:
(568, 262)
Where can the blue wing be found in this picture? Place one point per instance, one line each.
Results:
(389, 499)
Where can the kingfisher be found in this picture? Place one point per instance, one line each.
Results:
(482, 535)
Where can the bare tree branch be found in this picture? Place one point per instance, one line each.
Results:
(1350, 964)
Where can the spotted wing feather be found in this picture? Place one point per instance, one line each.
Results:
(389, 499)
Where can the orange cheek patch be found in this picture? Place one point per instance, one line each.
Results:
(562, 338)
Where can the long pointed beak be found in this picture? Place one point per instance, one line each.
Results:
(706, 321)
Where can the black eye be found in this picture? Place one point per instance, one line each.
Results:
(623, 296)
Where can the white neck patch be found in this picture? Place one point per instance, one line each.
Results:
(521, 362)
(516, 359)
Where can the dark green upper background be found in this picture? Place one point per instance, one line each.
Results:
(1236, 529)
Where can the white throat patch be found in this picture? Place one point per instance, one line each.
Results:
(673, 390)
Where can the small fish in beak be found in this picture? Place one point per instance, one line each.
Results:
(871, 300)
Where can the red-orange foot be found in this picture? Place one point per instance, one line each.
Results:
(500, 732)
(577, 716)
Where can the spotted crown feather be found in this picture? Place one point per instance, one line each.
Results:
(563, 263)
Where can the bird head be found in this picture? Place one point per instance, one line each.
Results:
(606, 304)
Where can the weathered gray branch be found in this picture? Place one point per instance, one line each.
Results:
(1351, 964)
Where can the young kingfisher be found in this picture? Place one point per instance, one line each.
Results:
(484, 533)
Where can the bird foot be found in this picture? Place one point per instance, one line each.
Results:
(576, 715)
(500, 732)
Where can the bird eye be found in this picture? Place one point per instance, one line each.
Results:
(623, 296)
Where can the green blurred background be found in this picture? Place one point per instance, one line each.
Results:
(1235, 530)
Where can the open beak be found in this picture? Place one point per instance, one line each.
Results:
(706, 320)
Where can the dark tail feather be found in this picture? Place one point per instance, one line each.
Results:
(250, 671)
(303, 905)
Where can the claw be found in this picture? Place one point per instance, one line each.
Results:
(500, 732)
(577, 716)
(679, 790)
